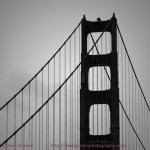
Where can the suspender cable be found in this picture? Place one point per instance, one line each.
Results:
(148, 133)
(65, 99)
(47, 126)
(145, 119)
(42, 113)
(129, 97)
(29, 122)
(125, 95)
(72, 127)
(70, 95)
(31, 145)
(39, 130)
(75, 98)
(15, 123)
(54, 109)
(132, 109)
(139, 114)
(144, 125)
(78, 88)
(48, 108)
(141, 120)
(122, 73)
(47, 131)
(59, 100)
(35, 111)
(6, 124)
(136, 111)
(22, 136)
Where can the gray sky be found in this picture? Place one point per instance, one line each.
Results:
(32, 30)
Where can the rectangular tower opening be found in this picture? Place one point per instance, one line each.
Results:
(99, 78)
(99, 119)
(103, 45)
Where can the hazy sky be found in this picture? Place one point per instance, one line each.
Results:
(32, 30)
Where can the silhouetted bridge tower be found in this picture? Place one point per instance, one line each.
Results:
(86, 96)
(108, 97)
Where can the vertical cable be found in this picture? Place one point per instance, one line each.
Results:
(144, 123)
(72, 127)
(48, 113)
(129, 97)
(47, 108)
(147, 136)
(35, 111)
(70, 87)
(122, 73)
(139, 115)
(47, 126)
(39, 130)
(31, 145)
(59, 100)
(6, 124)
(29, 121)
(15, 123)
(125, 97)
(78, 87)
(78, 92)
(136, 112)
(73, 95)
(70, 96)
(22, 136)
(75, 98)
(65, 98)
(139, 118)
(54, 109)
(132, 108)
(42, 112)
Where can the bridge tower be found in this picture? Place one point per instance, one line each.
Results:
(89, 98)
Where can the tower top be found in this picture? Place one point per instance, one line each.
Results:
(99, 19)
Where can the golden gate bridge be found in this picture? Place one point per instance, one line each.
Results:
(87, 96)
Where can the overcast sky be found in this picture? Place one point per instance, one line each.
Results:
(32, 30)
